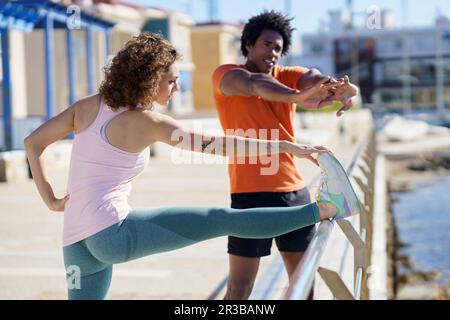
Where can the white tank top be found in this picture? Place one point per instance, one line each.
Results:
(100, 178)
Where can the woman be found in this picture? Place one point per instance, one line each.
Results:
(113, 130)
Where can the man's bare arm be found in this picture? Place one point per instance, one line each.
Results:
(240, 82)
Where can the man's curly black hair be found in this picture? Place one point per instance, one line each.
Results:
(272, 20)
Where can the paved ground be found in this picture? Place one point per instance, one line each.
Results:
(31, 265)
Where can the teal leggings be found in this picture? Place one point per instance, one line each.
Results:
(144, 232)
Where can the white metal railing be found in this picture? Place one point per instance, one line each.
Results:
(303, 279)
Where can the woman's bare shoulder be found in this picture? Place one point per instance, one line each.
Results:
(86, 110)
(153, 117)
(88, 102)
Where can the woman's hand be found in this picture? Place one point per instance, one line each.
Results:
(306, 151)
(58, 204)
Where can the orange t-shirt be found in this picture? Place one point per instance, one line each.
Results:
(257, 118)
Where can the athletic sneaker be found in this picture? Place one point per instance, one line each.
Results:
(335, 187)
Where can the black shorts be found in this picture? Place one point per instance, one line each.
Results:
(294, 241)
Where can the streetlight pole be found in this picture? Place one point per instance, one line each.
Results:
(213, 7)
(287, 10)
(350, 10)
(440, 103)
(406, 79)
(287, 6)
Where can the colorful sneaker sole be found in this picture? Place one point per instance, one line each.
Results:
(333, 167)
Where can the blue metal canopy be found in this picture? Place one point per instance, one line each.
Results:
(27, 15)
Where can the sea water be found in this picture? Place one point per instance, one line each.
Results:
(422, 218)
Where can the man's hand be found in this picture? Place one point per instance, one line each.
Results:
(345, 93)
(311, 78)
(319, 95)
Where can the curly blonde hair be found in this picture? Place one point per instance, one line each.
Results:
(132, 79)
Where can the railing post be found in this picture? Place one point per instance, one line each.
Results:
(335, 284)
(360, 253)
(365, 189)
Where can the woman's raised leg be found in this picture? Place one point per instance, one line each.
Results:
(149, 231)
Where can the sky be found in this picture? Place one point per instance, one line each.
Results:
(308, 14)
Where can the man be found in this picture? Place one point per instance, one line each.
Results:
(261, 97)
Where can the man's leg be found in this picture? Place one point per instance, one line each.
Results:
(241, 277)
(293, 245)
(244, 256)
(291, 261)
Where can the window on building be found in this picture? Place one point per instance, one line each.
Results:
(391, 95)
(424, 97)
(446, 67)
(398, 44)
(423, 70)
(317, 48)
(344, 47)
(392, 71)
(378, 73)
(447, 97)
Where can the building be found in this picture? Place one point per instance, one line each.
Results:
(131, 19)
(213, 44)
(176, 27)
(50, 55)
(47, 74)
(400, 68)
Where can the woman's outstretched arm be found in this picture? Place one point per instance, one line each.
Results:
(167, 130)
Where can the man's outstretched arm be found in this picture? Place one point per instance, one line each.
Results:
(240, 82)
